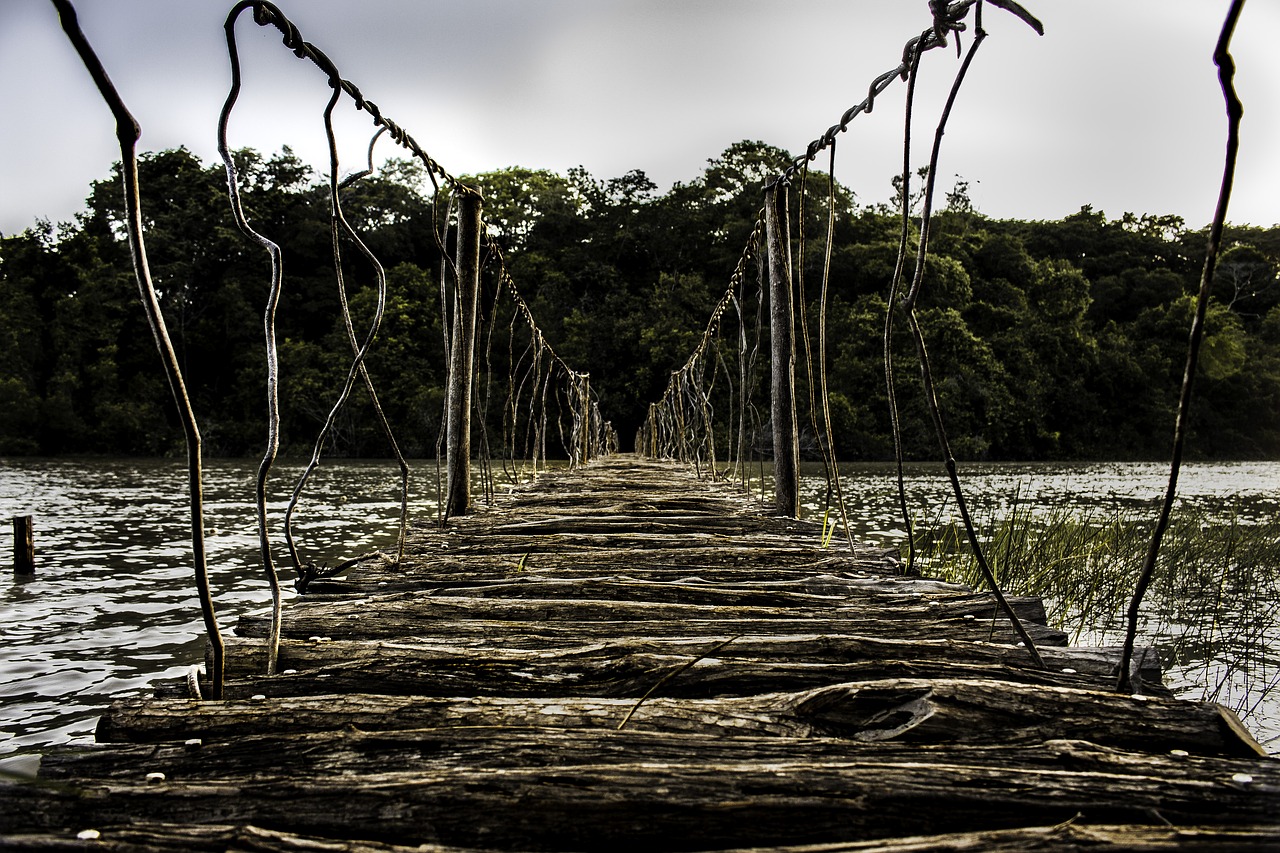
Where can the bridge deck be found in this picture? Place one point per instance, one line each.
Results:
(626, 657)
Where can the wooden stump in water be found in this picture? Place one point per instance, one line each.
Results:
(24, 549)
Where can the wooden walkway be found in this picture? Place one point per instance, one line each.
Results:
(624, 657)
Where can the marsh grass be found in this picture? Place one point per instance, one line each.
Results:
(1213, 610)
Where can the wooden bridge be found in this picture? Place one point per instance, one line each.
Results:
(623, 656)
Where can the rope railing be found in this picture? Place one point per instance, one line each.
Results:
(590, 434)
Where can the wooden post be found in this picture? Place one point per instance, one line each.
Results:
(24, 549)
(462, 359)
(586, 418)
(786, 442)
(677, 378)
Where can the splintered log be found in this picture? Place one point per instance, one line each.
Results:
(815, 591)
(516, 580)
(445, 616)
(198, 838)
(1066, 837)
(325, 754)
(686, 802)
(1069, 837)
(704, 666)
(733, 565)
(937, 711)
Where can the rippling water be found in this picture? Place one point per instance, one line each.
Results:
(112, 605)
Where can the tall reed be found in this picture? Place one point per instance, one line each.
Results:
(1213, 610)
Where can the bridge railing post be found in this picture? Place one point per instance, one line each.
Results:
(462, 358)
(786, 442)
(586, 418)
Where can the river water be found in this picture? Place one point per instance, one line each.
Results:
(112, 604)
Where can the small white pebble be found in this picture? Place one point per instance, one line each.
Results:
(314, 639)
(153, 778)
(194, 743)
(1242, 778)
(1068, 670)
(289, 672)
(1179, 753)
(257, 697)
(1021, 645)
(88, 835)
(969, 616)
(1138, 697)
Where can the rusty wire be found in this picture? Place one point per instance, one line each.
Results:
(1235, 112)
(267, 14)
(895, 282)
(339, 226)
(946, 18)
(926, 373)
(128, 132)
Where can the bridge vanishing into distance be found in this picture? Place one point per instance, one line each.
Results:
(628, 652)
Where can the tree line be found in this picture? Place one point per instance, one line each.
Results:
(1049, 339)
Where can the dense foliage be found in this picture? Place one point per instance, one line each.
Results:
(1057, 339)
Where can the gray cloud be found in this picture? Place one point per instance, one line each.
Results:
(1117, 106)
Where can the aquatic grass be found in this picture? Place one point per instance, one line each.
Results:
(1213, 610)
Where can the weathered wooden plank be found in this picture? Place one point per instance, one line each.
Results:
(729, 566)
(900, 710)
(1066, 837)
(526, 578)
(134, 837)
(355, 752)
(792, 695)
(742, 665)
(815, 592)
(689, 805)
(425, 615)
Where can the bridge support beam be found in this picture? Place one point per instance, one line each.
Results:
(786, 442)
(462, 359)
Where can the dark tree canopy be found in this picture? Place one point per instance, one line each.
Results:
(1051, 340)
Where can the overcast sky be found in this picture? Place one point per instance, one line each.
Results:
(1116, 106)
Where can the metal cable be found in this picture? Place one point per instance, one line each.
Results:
(1235, 112)
(127, 133)
(926, 374)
